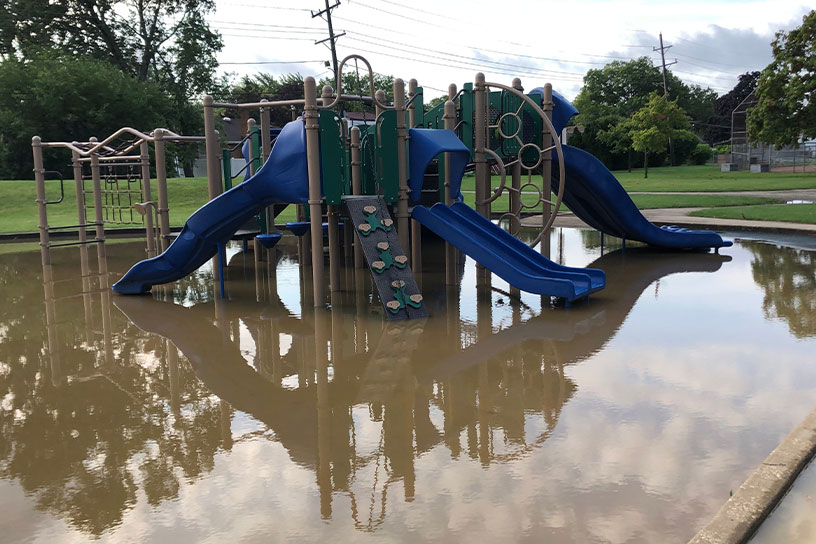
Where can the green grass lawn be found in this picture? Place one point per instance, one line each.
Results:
(794, 213)
(705, 178)
(18, 209)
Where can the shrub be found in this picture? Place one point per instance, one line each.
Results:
(701, 154)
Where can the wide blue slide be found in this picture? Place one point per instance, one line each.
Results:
(595, 196)
(507, 256)
(282, 179)
(488, 244)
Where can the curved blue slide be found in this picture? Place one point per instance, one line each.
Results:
(593, 194)
(282, 179)
(507, 256)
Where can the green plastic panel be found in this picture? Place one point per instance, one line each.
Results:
(387, 166)
(334, 161)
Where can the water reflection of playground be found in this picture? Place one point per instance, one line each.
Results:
(423, 387)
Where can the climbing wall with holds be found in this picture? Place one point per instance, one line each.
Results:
(385, 257)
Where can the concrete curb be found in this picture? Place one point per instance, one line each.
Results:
(744, 512)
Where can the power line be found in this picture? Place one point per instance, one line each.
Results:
(275, 62)
(435, 52)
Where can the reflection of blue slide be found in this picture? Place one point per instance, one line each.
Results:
(593, 194)
(282, 179)
(507, 256)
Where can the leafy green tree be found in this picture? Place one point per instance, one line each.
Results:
(654, 124)
(357, 84)
(612, 94)
(62, 99)
(786, 110)
(261, 85)
(168, 42)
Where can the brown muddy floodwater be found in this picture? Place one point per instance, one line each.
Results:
(629, 418)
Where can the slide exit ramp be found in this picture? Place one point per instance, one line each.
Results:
(596, 197)
(282, 179)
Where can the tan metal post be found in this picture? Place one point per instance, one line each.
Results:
(144, 159)
(315, 196)
(412, 87)
(450, 251)
(332, 219)
(356, 187)
(515, 194)
(251, 124)
(212, 149)
(97, 193)
(39, 177)
(479, 159)
(266, 138)
(80, 195)
(161, 187)
(546, 167)
(402, 161)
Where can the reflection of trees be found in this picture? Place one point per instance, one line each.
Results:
(788, 277)
(73, 446)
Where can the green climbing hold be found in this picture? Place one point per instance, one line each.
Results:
(387, 260)
(401, 300)
(373, 222)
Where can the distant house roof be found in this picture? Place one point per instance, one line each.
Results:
(360, 116)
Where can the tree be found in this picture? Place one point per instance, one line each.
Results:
(66, 99)
(612, 94)
(165, 41)
(719, 124)
(259, 86)
(651, 127)
(786, 110)
(357, 84)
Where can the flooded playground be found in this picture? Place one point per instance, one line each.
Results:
(630, 417)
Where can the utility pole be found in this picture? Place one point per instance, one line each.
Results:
(332, 39)
(662, 50)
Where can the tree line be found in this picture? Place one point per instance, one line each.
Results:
(75, 68)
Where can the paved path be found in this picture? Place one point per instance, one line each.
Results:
(788, 194)
(681, 217)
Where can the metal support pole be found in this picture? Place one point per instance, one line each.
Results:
(403, 216)
(39, 176)
(80, 196)
(315, 197)
(212, 149)
(449, 119)
(479, 159)
(266, 137)
(546, 166)
(144, 159)
(356, 188)
(412, 87)
(97, 194)
(416, 227)
(251, 125)
(161, 187)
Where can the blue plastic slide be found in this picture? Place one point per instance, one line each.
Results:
(282, 179)
(593, 194)
(507, 256)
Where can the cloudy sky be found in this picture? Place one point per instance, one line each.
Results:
(438, 43)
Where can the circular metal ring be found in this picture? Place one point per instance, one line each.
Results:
(537, 190)
(511, 218)
(539, 153)
(501, 121)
